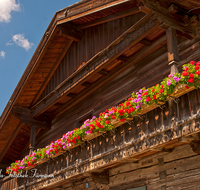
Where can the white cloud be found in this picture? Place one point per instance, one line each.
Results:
(9, 43)
(6, 7)
(2, 54)
(21, 41)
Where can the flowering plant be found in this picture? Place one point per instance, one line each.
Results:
(132, 106)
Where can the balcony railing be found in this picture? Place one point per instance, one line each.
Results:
(146, 134)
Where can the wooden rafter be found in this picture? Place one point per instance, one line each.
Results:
(83, 11)
(174, 20)
(53, 69)
(131, 37)
(25, 117)
(94, 86)
(145, 42)
(70, 31)
(103, 72)
(122, 58)
(112, 17)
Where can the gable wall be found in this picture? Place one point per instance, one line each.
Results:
(93, 41)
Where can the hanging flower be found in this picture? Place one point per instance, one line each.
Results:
(190, 80)
(185, 73)
(191, 75)
(107, 122)
(169, 82)
(196, 67)
(148, 99)
(192, 62)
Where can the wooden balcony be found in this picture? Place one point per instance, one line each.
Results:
(160, 131)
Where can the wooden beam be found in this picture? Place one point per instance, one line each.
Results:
(194, 20)
(172, 47)
(70, 31)
(87, 84)
(25, 117)
(144, 9)
(112, 17)
(145, 42)
(101, 178)
(179, 33)
(175, 21)
(94, 86)
(94, 7)
(103, 72)
(122, 58)
(173, 9)
(72, 95)
(52, 71)
(131, 37)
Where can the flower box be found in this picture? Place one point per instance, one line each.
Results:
(180, 90)
(117, 122)
(59, 153)
(72, 146)
(41, 160)
(29, 167)
(90, 136)
(148, 108)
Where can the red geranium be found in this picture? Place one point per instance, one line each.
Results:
(191, 75)
(128, 103)
(98, 124)
(148, 99)
(107, 122)
(185, 73)
(196, 67)
(192, 62)
(190, 80)
(120, 112)
(198, 72)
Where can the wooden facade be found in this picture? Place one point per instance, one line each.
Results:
(93, 55)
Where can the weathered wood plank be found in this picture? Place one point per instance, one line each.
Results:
(101, 59)
(112, 17)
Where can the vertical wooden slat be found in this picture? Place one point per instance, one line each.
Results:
(32, 138)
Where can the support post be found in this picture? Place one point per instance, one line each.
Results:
(172, 47)
(32, 138)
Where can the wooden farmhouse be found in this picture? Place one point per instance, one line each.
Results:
(92, 57)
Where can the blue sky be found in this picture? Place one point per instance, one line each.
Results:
(22, 25)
